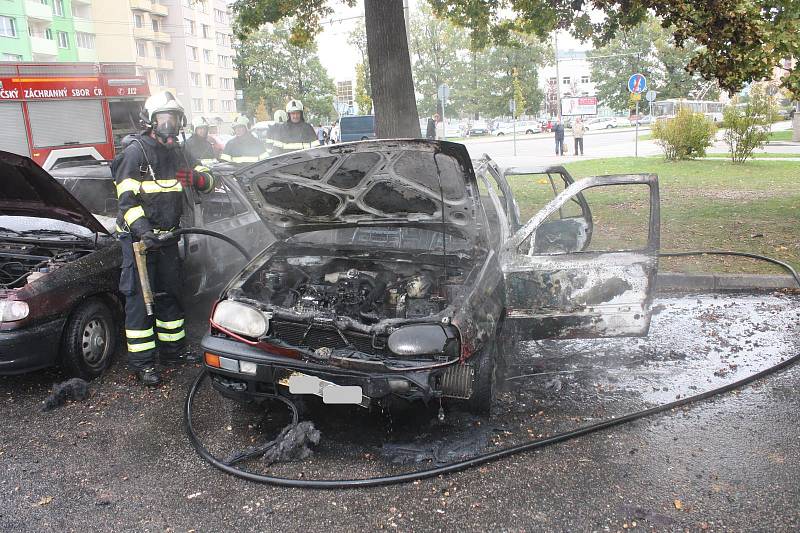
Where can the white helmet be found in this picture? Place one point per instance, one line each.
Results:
(163, 113)
(294, 105)
(279, 116)
(241, 120)
(199, 122)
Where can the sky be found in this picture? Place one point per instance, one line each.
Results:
(339, 58)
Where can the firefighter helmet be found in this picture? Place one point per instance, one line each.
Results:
(279, 116)
(199, 122)
(294, 105)
(163, 102)
(241, 120)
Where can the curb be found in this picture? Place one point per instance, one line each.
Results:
(677, 281)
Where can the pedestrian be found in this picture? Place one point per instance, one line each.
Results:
(151, 179)
(336, 133)
(439, 128)
(577, 133)
(198, 147)
(295, 133)
(558, 129)
(244, 147)
(321, 134)
(430, 131)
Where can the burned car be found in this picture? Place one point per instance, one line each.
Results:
(60, 264)
(400, 272)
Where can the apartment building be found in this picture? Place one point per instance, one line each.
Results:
(202, 50)
(47, 30)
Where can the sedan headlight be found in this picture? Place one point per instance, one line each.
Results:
(240, 318)
(12, 310)
(423, 339)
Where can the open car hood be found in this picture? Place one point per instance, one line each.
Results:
(379, 182)
(27, 190)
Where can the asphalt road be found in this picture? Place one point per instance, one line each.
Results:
(121, 462)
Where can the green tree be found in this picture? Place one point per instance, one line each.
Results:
(363, 100)
(748, 125)
(261, 112)
(686, 136)
(358, 38)
(274, 70)
(737, 41)
(387, 49)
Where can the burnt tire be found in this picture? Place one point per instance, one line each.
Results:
(483, 381)
(89, 341)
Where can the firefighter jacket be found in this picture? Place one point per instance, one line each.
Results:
(150, 181)
(244, 149)
(199, 150)
(291, 136)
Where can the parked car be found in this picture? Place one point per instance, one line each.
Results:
(357, 128)
(645, 120)
(403, 271)
(527, 127)
(601, 123)
(479, 127)
(622, 122)
(60, 264)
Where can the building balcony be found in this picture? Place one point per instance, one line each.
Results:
(84, 2)
(165, 64)
(44, 47)
(162, 37)
(146, 34)
(87, 55)
(142, 5)
(159, 9)
(38, 11)
(83, 25)
(147, 62)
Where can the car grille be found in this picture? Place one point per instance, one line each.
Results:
(298, 334)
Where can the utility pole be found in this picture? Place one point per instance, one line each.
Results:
(558, 76)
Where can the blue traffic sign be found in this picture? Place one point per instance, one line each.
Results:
(637, 83)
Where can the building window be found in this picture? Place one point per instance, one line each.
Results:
(159, 51)
(584, 79)
(197, 104)
(566, 80)
(226, 83)
(191, 52)
(206, 31)
(227, 105)
(138, 20)
(212, 104)
(141, 48)
(552, 81)
(156, 24)
(10, 57)
(207, 56)
(209, 80)
(86, 40)
(195, 77)
(162, 78)
(188, 26)
(220, 16)
(58, 8)
(48, 33)
(63, 39)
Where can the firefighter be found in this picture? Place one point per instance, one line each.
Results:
(151, 175)
(295, 133)
(279, 117)
(198, 147)
(244, 147)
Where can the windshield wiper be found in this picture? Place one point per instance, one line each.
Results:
(9, 230)
(53, 232)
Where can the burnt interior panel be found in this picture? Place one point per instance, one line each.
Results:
(312, 169)
(428, 169)
(353, 170)
(303, 200)
(397, 199)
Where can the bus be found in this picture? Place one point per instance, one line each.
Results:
(56, 112)
(664, 109)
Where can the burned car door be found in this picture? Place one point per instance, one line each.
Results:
(571, 277)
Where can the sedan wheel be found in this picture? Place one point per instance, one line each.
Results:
(89, 340)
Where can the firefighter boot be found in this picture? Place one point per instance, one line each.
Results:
(149, 377)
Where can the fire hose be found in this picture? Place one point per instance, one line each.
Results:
(481, 459)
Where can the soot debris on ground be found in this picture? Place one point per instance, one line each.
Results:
(292, 444)
(75, 389)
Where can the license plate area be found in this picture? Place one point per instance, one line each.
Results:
(330, 392)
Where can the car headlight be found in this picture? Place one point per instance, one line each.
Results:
(240, 318)
(11, 310)
(422, 339)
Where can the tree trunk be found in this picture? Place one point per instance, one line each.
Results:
(390, 70)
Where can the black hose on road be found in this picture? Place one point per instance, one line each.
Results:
(484, 458)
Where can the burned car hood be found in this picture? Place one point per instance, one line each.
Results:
(380, 182)
(27, 190)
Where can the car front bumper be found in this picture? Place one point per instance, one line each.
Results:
(272, 371)
(30, 348)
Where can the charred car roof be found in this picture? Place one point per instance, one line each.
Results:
(27, 190)
(381, 182)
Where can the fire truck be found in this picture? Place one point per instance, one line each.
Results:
(56, 112)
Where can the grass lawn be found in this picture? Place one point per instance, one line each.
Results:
(759, 155)
(781, 135)
(705, 204)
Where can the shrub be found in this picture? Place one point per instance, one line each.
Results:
(748, 125)
(686, 136)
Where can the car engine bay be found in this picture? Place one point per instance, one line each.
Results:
(23, 263)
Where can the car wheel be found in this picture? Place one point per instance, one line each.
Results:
(364, 138)
(500, 134)
(483, 380)
(528, 132)
(89, 340)
(609, 126)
